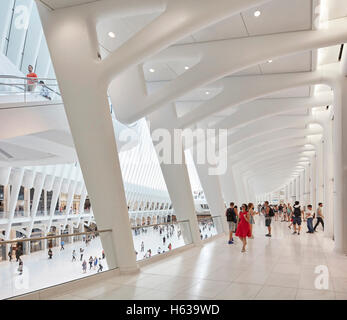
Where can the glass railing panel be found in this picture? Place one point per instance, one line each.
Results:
(22, 89)
(28, 265)
(151, 240)
(210, 226)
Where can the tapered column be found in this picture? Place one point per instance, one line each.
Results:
(175, 174)
(307, 192)
(319, 173)
(328, 179)
(74, 57)
(227, 182)
(340, 166)
(213, 193)
(15, 182)
(313, 182)
(297, 188)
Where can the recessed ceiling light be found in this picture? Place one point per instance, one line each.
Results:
(269, 61)
(207, 92)
(186, 67)
(111, 34)
(151, 70)
(257, 13)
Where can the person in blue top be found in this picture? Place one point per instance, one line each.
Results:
(62, 245)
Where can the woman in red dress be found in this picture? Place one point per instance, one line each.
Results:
(243, 229)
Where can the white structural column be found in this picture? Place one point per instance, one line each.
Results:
(297, 188)
(328, 178)
(213, 193)
(340, 164)
(227, 182)
(72, 51)
(302, 188)
(286, 194)
(319, 173)
(175, 174)
(307, 192)
(313, 182)
(16, 183)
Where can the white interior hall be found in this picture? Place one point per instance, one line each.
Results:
(140, 121)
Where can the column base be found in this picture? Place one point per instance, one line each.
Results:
(129, 270)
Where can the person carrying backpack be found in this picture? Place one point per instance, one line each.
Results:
(297, 217)
(269, 213)
(232, 216)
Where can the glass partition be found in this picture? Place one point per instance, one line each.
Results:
(210, 226)
(151, 240)
(40, 262)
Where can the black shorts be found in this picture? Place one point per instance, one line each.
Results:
(267, 222)
(297, 220)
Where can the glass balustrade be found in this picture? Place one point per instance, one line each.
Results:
(29, 264)
(151, 240)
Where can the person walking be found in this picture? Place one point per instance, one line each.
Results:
(320, 216)
(10, 255)
(20, 266)
(62, 245)
(290, 215)
(232, 216)
(142, 246)
(297, 217)
(50, 253)
(243, 229)
(103, 254)
(73, 255)
(309, 217)
(84, 266)
(91, 262)
(269, 214)
(81, 253)
(100, 266)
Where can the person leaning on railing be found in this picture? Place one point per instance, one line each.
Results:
(31, 84)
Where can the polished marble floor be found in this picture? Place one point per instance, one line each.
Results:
(281, 267)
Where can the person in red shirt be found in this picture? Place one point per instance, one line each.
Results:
(31, 84)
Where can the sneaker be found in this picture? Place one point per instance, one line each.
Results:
(230, 242)
(298, 233)
(268, 235)
(294, 232)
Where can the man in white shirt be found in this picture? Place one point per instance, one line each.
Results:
(309, 216)
(320, 217)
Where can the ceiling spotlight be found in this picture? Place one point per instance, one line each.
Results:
(151, 70)
(207, 92)
(111, 34)
(269, 61)
(186, 67)
(257, 13)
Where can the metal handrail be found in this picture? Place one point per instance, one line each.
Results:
(158, 224)
(35, 80)
(53, 237)
(5, 76)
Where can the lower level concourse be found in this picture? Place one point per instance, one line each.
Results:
(286, 266)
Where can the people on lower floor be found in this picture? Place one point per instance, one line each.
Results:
(320, 216)
(50, 253)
